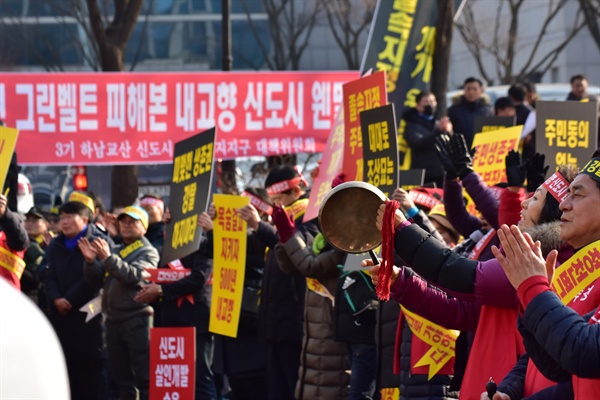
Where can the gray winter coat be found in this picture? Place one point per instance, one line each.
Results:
(323, 361)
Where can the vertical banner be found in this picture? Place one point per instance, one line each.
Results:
(380, 152)
(401, 42)
(359, 95)
(172, 363)
(492, 148)
(190, 189)
(230, 239)
(8, 141)
(492, 123)
(330, 167)
(566, 132)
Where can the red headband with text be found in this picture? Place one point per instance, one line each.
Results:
(258, 203)
(151, 201)
(284, 185)
(557, 186)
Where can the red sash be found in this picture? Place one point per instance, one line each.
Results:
(482, 244)
(11, 263)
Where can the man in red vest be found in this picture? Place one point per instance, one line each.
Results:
(13, 242)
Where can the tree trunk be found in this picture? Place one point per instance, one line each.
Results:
(441, 56)
(111, 42)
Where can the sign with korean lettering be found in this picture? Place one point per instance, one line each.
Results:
(8, 141)
(359, 95)
(172, 363)
(577, 273)
(566, 132)
(230, 237)
(380, 152)
(190, 189)
(134, 118)
(402, 43)
(329, 168)
(492, 148)
(492, 123)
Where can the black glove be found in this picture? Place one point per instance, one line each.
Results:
(515, 169)
(536, 172)
(442, 147)
(461, 157)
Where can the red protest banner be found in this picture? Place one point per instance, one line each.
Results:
(359, 95)
(133, 118)
(329, 168)
(172, 363)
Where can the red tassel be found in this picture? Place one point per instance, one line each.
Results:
(387, 250)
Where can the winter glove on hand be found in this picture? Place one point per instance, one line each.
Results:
(442, 147)
(536, 172)
(339, 179)
(515, 169)
(462, 159)
(284, 223)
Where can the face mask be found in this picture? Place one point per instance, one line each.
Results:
(428, 110)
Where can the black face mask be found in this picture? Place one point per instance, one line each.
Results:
(428, 110)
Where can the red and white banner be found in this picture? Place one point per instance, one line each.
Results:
(135, 118)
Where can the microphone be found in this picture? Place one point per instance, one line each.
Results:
(469, 243)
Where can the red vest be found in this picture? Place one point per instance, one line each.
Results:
(497, 329)
(11, 263)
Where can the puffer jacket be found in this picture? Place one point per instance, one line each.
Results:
(124, 279)
(462, 115)
(323, 361)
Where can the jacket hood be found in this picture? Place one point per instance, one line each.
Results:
(549, 236)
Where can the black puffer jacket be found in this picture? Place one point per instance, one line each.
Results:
(462, 115)
(282, 298)
(420, 134)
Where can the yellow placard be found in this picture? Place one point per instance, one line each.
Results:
(230, 239)
(8, 141)
(492, 148)
(577, 273)
(390, 393)
(441, 340)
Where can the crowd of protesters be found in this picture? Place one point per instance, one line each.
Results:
(311, 330)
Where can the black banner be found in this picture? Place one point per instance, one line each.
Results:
(566, 132)
(492, 123)
(412, 178)
(402, 42)
(191, 185)
(380, 154)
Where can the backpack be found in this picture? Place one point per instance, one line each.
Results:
(355, 311)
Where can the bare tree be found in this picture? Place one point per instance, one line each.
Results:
(347, 25)
(591, 11)
(504, 46)
(290, 31)
(111, 38)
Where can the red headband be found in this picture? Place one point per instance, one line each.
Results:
(557, 186)
(284, 185)
(151, 201)
(259, 203)
(423, 199)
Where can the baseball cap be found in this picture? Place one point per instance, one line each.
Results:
(137, 213)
